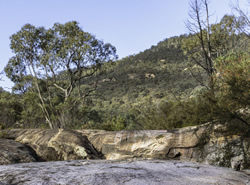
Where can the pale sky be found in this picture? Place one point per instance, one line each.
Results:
(130, 25)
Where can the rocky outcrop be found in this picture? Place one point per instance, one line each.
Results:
(149, 75)
(56, 144)
(208, 144)
(14, 152)
(103, 172)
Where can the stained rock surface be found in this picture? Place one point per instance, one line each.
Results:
(100, 172)
(14, 152)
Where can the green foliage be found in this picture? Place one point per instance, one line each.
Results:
(10, 109)
(224, 35)
(116, 123)
(233, 85)
(31, 115)
(178, 114)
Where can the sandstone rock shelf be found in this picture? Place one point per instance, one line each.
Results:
(206, 143)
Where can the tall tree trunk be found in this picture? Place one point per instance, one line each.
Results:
(42, 104)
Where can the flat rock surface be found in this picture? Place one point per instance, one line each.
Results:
(139, 172)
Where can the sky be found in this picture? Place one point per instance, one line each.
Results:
(130, 25)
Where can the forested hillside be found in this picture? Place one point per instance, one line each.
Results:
(133, 85)
(66, 78)
(123, 88)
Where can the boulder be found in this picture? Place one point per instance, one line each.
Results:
(14, 152)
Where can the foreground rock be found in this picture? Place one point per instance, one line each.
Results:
(56, 144)
(14, 152)
(119, 172)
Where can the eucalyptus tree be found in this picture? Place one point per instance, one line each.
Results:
(219, 49)
(209, 41)
(53, 64)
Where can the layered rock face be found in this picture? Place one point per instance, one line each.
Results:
(103, 172)
(207, 144)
